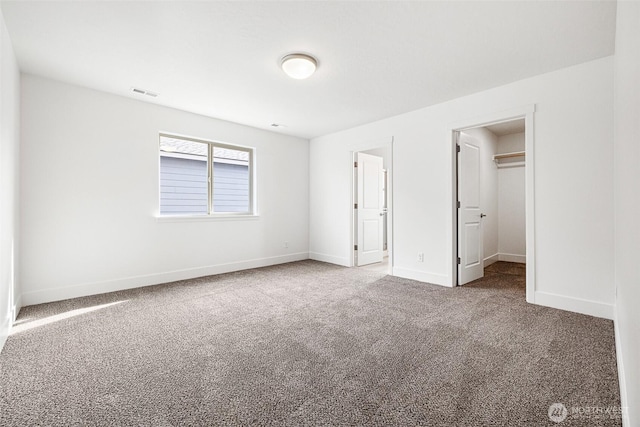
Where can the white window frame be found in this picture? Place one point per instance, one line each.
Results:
(211, 145)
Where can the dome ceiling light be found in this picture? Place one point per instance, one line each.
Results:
(299, 65)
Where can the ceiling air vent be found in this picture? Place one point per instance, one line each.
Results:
(143, 92)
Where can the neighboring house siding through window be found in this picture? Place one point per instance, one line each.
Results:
(183, 186)
(230, 187)
(184, 172)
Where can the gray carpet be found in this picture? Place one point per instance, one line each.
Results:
(308, 343)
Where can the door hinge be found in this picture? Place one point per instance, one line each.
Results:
(458, 148)
(355, 206)
(355, 164)
(458, 204)
(355, 247)
(458, 260)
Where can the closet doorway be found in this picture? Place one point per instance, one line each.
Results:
(493, 182)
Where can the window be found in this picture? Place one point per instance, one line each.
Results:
(201, 178)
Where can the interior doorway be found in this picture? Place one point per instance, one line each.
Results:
(493, 196)
(371, 209)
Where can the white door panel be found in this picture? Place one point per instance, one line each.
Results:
(470, 171)
(370, 232)
(472, 256)
(369, 211)
(371, 188)
(470, 245)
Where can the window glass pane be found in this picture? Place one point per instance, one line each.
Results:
(183, 177)
(230, 180)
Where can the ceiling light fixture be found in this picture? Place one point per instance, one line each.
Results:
(299, 65)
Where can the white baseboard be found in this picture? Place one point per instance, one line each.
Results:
(57, 294)
(16, 308)
(5, 328)
(421, 276)
(624, 402)
(4, 331)
(490, 260)
(522, 259)
(576, 305)
(330, 259)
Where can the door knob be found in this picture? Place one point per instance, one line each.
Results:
(482, 215)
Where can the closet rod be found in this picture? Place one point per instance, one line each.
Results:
(508, 155)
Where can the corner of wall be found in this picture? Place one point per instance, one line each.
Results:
(17, 306)
(9, 190)
(4, 332)
(627, 207)
(624, 403)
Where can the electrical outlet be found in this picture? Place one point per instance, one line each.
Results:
(286, 244)
(420, 256)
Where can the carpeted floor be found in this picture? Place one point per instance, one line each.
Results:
(308, 343)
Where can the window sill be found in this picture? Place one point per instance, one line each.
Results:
(214, 217)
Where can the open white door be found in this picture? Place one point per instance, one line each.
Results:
(369, 210)
(470, 249)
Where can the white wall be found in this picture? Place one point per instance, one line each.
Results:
(383, 152)
(90, 196)
(574, 211)
(489, 192)
(511, 203)
(627, 205)
(511, 143)
(9, 204)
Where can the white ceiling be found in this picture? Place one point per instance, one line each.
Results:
(507, 128)
(376, 59)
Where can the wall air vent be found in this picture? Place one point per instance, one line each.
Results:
(144, 92)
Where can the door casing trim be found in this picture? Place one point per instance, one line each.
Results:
(386, 142)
